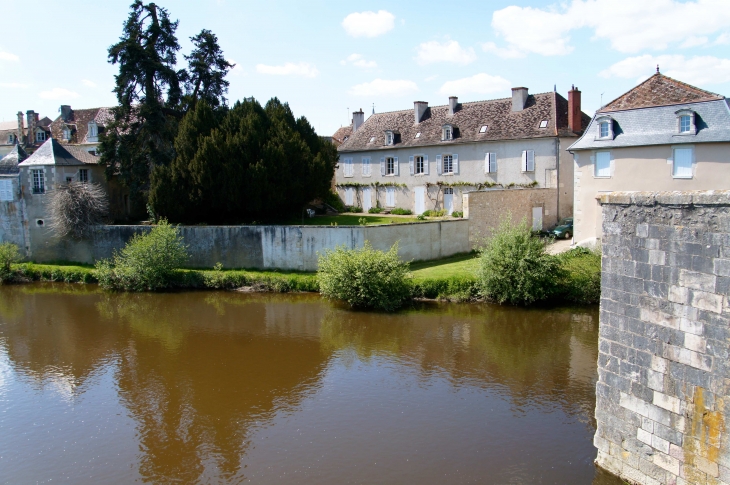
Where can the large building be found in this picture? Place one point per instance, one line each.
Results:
(663, 135)
(427, 157)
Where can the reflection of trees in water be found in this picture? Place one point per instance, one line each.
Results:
(544, 357)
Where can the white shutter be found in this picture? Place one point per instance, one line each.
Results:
(6, 190)
(410, 165)
(486, 162)
(425, 164)
(524, 160)
(439, 166)
(382, 166)
(455, 168)
(683, 162)
(530, 160)
(395, 166)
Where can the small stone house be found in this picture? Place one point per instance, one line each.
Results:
(81, 127)
(31, 133)
(428, 157)
(663, 135)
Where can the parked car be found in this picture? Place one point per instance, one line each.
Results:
(564, 230)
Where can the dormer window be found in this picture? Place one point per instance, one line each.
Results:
(66, 134)
(40, 135)
(447, 133)
(389, 137)
(686, 122)
(93, 129)
(605, 128)
(543, 124)
(11, 138)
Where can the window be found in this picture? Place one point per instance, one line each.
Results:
(11, 138)
(448, 133)
(40, 136)
(528, 161)
(39, 182)
(372, 139)
(389, 137)
(684, 124)
(93, 130)
(390, 196)
(419, 165)
(84, 175)
(418, 135)
(490, 163)
(69, 180)
(483, 129)
(604, 131)
(66, 134)
(366, 168)
(390, 166)
(6, 190)
(347, 167)
(448, 191)
(605, 128)
(543, 124)
(603, 164)
(448, 164)
(682, 166)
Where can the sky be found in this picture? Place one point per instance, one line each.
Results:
(328, 59)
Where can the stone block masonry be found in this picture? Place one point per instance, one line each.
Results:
(662, 397)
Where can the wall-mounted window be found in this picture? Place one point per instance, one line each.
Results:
(603, 164)
(366, 167)
(11, 138)
(528, 160)
(419, 165)
(490, 163)
(447, 133)
(682, 163)
(390, 166)
(39, 181)
(40, 136)
(605, 128)
(389, 137)
(448, 164)
(686, 122)
(347, 169)
(84, 175)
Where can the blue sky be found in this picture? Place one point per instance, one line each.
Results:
(328, 59)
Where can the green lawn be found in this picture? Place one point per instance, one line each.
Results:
(460, 265)
(353, 220)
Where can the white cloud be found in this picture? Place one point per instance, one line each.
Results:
(431, 78)
(13, 85)
(628, 26)
(478, 84)
(694, 41)
(237, 69)
(87, 83)
(698, 70)
(722, 39)
(503, 52)
(357, 60)
(58, 94)
(369, 24)
(449, 51)
(7, 56)
(301, 69)
(384, 87)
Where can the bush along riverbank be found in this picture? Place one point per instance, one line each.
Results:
(512, 268)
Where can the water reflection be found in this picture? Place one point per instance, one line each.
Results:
(227, 387)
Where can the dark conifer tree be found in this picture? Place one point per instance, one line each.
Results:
(207, 69)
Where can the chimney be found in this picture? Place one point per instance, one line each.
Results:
(358, 118)
(65, 112)
(453, 101)
(21, 131)
(575, 123)
(419, 108)
(30, 121)
(519, 98)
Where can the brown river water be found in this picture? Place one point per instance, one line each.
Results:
(223, 387)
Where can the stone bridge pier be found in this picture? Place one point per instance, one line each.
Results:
(663, 392)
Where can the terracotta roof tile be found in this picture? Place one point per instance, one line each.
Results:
(659, 90)
(341, 135)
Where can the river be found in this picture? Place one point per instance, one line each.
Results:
(225, 387)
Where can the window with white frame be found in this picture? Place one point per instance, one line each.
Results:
(389, 166)
(682, 163)
(418, 165)
(84, 175)
(604, 129)
(40, 136)
(6, 190)
(686, 122)
(389, 138)
(347, 170)
(66, 134)
(39, 181)
(366, 167)
(603, 164)
(490, 163)
(448, 133)
(448, 162)
(528, 160)
(390, 196)
(93, 129)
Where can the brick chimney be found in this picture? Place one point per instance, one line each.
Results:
(21, 130)
(575, 122)
(519, 98)
(453, 102)
(65, 112)
(419, 108)
(30, 121)
(358, 118)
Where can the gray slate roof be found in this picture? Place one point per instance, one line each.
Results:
(9, 163)
(657, 125)
(53, 153)
(502, 123)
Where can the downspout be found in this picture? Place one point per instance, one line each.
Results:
(557, 164)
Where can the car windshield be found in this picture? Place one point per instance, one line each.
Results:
(566, 222)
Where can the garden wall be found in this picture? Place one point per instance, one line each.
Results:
(664, 376)
(268, 247)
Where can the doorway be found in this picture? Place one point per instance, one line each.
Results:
(366, 201)
(449, 200)
(537, 218)
(420, 196)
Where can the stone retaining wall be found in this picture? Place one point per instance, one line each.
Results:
(662, 393)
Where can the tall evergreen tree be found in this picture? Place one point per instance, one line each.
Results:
(207, 69)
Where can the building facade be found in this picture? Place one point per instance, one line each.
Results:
(428, 157)
(663, 135)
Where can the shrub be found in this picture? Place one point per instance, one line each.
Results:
(434, 213)
(457, 214)
(452, 288)
(364, 277)
(76, 208)
(421, 217)
(57, 273)
(581, 282)
(375, 210)
(148, 262)
(355, 209)
(401, 212)
(515, 268)
(334, 201)
(9, 254)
